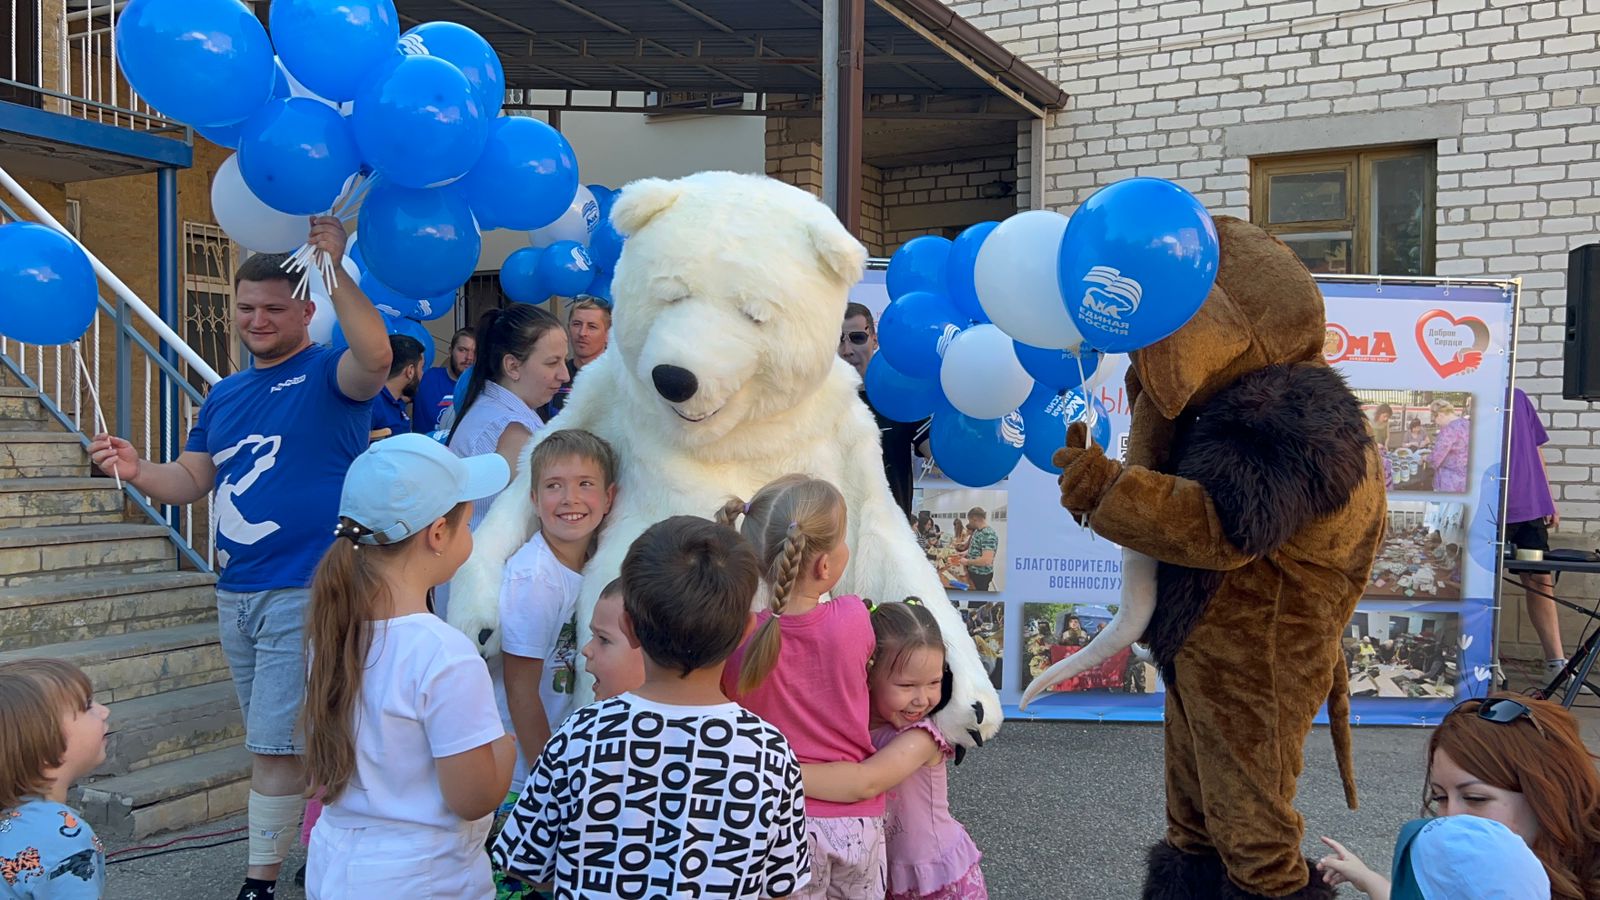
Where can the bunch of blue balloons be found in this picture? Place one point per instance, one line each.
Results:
(994, 334)
(572, 258)
(340, 112)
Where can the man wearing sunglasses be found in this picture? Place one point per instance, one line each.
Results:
(858, 341)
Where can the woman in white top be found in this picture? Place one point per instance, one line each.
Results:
(403, 739)
(522, 362)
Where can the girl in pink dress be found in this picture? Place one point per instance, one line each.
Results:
(931, 856)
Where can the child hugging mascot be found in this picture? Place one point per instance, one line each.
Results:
(1251, 482)
(722, 375)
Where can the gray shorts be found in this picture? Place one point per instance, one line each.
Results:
(263, 636)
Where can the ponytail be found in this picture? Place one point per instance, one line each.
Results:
(510, 331)
(761, 654)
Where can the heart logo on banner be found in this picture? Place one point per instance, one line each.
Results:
(1452, 345)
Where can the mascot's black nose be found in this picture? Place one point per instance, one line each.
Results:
(675, 383)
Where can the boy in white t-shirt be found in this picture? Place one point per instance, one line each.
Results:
(670, 790)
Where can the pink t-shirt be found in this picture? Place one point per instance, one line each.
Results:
(927, 848)
(817, 694)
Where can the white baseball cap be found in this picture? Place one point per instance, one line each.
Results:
(400, 485)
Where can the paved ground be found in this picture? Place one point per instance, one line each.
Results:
(1060, 810)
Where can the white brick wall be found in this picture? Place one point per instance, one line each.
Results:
(1164, 88)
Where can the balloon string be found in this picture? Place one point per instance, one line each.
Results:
(99, 413)
(347, 207)
(1090, 416)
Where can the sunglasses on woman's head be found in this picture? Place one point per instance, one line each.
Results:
(855, 337)
(1503, 710)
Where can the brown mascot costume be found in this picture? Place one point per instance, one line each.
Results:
(1250, 478)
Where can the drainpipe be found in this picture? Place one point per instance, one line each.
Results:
(167, 249)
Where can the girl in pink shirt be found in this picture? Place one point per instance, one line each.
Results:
(931, 856)
(805, 670)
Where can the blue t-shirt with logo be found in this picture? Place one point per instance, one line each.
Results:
(389, 412)
(281, 439)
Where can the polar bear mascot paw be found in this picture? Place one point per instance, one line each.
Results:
(722, 375)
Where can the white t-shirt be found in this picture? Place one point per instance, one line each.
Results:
(425, 695)
(639, 799)
(538, 620)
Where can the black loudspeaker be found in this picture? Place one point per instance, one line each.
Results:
(1581, 355)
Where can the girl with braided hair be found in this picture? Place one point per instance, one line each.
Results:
(804, 669)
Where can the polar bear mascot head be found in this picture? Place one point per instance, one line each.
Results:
(722, 374)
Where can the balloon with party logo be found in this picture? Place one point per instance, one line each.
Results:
(914, 331)
(577, 223)
(961, 267)
(1045, 415)
(605, 245)
(976, 452)
(919, 265)
(1136, 262)
(422, 243)
(1016, 281)
(419, 123)
(525, 178)
(391, 302)
(250, 222)
(519, 276)
(203, 62)
(899, 397)
(564, 269)
(980, 373)
(1059, 369)
(467, 49)
(297, 155)
(48, 292)
(330, 45)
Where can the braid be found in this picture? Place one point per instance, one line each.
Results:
(731, 511)
(788, 566)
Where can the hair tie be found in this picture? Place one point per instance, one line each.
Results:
(354, 531)
(747, 509)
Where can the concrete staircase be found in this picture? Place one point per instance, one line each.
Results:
(85, 577)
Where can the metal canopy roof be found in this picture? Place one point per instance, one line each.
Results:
(916, 49)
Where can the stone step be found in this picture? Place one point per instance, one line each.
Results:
(20, 410)
(161, 728)
(184, 792)
(31, 454)
(54, 612)
(59, 501)
(141, 663)
(62, 552)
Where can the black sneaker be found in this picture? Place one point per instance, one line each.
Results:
(300, 876)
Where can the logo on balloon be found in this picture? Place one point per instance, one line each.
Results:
(1113, 297)
(591, 215)
(412, 45)
(1070, 406)
(580, 260)
(950, 332)
(1011, 430)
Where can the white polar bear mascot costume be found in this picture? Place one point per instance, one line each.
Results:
(722, 374)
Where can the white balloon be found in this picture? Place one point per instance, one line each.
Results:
(1018, 284)
(980, 373)
(576, 224)
(322, 315)
(249, 221)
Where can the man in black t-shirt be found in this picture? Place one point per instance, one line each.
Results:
(858, 341)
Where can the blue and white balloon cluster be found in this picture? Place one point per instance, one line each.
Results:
(571, 257)
(993, 334)
(340, 112)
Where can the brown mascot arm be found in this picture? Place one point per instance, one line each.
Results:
(1167, 518)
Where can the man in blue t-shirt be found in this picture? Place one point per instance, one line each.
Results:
(389, 416)
(272, 444)
(438, 386)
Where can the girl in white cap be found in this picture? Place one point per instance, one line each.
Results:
(402, 736)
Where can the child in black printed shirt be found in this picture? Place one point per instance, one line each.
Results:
(669, 790)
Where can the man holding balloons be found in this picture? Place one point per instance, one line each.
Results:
(273, 441)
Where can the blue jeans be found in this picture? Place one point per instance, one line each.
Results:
(263, 636)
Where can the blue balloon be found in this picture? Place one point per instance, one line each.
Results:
(330, 45)
(353, 250)
(419, 122)
(976, 452)
(296, 155)
(393, 303)
(420, 242)
(525, 178)
(1045, 416)
(392, 325)
(1100, 431)
(918, 265)
(960, 267)
(600, 288)
(1137, 260)
(228, 135)
(898, 397)
(202, 62)
(519, 276)
(458, 44)
(564, 269)
(605, 245)
(1058, 369)
(48, 292)
(460, 395)
(914, 330)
